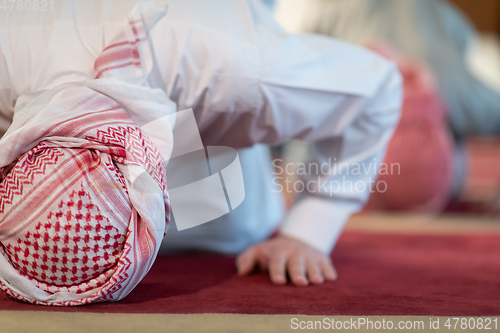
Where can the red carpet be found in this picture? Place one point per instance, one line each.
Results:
(379, 275)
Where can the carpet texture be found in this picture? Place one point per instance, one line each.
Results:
(379, 274)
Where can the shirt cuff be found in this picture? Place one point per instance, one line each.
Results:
(318, 222)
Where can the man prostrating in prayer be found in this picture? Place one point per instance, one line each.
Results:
(76, 85)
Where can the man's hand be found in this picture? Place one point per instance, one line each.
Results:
(283, 255)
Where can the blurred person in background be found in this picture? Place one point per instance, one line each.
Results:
(449, 95)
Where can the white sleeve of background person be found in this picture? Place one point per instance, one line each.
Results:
(345, 99)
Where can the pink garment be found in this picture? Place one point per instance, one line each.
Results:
(421, 150)
(73, 228)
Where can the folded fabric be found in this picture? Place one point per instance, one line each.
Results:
(74, 228)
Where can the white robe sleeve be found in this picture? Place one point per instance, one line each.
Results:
(346, 100)
(250, 82)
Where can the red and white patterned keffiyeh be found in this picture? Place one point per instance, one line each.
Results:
(73, 227)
